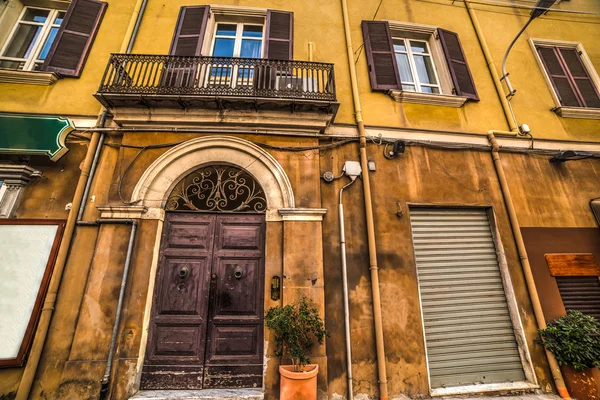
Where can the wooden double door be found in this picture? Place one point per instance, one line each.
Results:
(206, 327)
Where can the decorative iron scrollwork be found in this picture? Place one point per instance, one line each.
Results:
(218, 188)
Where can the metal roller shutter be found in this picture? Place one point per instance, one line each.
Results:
(469, 336)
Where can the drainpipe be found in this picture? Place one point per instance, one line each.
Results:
(345, 289)
(72, 220)
(531, 287)
(383, 388)
(508, 113)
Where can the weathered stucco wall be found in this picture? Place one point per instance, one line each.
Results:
(422, 176)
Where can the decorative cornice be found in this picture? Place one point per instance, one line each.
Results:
(19, 175)
(444, 100)
(302, 214)
(578, 112)
(28, 77)
(132, 212)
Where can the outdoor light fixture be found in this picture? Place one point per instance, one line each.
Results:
(540, 8)
(570, 155)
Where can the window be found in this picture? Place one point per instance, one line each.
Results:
(415, 64)
(573, 82)
(238, 40)
(31, 39)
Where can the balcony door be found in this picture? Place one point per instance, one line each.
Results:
(235, 40)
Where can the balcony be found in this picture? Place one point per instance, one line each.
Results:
(160, 82)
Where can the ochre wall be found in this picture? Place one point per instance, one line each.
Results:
(423, 176)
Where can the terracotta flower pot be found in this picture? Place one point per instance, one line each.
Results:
(298, 385)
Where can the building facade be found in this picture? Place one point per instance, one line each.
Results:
(171, 170)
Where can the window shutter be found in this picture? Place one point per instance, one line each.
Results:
(74, 39)
(381, 60)
(581, 78)
(189, 31)
(279, 41)
(581, 293)
(559, 77)
(457, 65)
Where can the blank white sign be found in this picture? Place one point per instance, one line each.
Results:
(24, 252)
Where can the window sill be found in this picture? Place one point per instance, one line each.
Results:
(428, 98)
(578, 112)
(27, 77)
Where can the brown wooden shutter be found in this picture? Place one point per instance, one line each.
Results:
(381, 60)
(581, 79)
(464, 85)
(189, 31)
(559, 76)
(74, 39)
(279, 41)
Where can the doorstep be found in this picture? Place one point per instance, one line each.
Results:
(524, 396)
(203, 394)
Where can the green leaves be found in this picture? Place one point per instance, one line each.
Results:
(574, 339)
(296, 326)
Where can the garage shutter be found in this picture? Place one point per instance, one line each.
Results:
(468, 331)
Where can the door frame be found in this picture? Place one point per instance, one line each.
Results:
(531, 381)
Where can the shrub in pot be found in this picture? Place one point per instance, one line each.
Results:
(574, 339)
(296, 328)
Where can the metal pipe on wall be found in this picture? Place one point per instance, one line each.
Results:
(43, 326)
(376, 295)
(531, 287)
(345, 291)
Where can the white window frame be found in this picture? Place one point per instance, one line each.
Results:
(427, 34)
(32, 60)
(237, 48)
(413, 69)
(566, 111)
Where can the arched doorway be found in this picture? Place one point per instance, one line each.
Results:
(206, 322)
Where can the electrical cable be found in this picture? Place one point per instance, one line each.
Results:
(522, 6)
(360, 48)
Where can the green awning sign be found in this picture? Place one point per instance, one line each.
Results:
(34, 134)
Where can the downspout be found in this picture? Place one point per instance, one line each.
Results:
(508, 113)
(508, 201)
(531, 287)
(382, 374)
(345, 290)
(83, 182)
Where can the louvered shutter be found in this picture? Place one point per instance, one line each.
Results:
(469, 336)
(581, 293)
(279, 41)
(74, 39)
(189, 31)
(464, 85)
(559, 77)
(381, 59)
(581, 78)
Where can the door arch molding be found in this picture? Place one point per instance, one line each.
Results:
(157, 182)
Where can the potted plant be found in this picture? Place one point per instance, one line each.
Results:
(296, 328)
(574, 339)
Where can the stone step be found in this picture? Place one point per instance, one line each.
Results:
(204, 394)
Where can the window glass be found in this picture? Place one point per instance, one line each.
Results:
(31, 39)
(251, 48)
(238, 40)
(226, 29)
(224, 47)
(415, 65)
(254, 31)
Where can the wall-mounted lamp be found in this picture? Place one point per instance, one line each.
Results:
(570, 155)
(275, 288)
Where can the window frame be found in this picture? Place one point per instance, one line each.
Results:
(567, 111)
(413, 69)
(237, 47)
(32, 60)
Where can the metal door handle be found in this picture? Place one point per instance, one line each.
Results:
(213, 277)
(238, 273)
(184, 273)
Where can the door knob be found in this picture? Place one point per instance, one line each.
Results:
(184, 273)
(237, 274)
(213, 277)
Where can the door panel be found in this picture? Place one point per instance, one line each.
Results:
(235, 328)
(206, 327)
(177, 332)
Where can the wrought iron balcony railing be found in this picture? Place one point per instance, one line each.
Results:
(160, 75)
